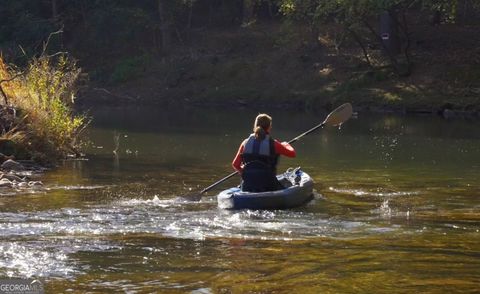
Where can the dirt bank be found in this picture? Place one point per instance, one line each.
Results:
(282, 66)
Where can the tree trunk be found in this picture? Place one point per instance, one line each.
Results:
(83, 12)
(164, 27)
(393, 60)
(189, 20)
(466, 12)
(360, 43)
(406, 49)
(54, 9)
(389, 32)
(210, 12)
(190, 15)
(247, 11)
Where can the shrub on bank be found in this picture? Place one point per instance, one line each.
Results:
(40, 100)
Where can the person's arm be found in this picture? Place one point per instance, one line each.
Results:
(237, 161)
(284, 149)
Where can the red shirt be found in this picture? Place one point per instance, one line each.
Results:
(280, 148)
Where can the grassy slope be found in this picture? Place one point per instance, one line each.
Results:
(283, 65)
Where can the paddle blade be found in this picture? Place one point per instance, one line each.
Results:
(340, 115)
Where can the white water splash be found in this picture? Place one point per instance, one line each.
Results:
(17, 259)
(48, 257)
(385, 209)
(360, 192)
(155, 201)
(75, 187)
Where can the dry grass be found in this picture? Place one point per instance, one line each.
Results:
(43, 95)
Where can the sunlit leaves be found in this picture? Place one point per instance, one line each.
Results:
(44, 94)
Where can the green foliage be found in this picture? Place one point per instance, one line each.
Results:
(288, 35)
(355, 17)
(21, 23)
(129, 68)
(113, 29)
(115, 39)
(108, 26)
(349, 12)
(447, 8)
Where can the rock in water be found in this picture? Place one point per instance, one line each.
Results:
(35, 184)
(22, 185)
(4, 157)
(12, 177)
(12, 165)
(5, 183)
(448, 114)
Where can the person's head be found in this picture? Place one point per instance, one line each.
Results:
(262, 125)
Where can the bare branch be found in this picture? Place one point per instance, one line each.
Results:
(6, 81)
(360, 43)
(45, 45)
(4, 95)
(58, 53)
(115, 95)
(14, 77)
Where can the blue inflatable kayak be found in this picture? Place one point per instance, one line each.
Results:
(298, 191)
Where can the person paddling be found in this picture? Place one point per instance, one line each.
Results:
(257, 157)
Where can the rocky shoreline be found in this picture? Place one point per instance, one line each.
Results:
(20, 176)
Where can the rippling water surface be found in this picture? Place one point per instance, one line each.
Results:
(396, 209)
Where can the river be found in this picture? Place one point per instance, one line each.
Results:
(396, 209)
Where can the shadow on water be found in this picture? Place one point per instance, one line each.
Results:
(397, 202)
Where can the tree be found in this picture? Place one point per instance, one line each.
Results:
(359, 19)
(165, 25)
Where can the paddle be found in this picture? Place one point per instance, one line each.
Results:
(335, 118)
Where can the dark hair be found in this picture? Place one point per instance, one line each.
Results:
(262, 122)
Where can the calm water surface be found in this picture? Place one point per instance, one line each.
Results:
(397, 209)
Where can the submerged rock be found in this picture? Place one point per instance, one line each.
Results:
(5, 183)
(17, 175)
(21, 185)
(35, 184)
(4, 157)
(11, 177)
(448, 113)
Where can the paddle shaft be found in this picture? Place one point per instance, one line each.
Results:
(236, 172)
(306, 133)
(218, 183)
(334, 118)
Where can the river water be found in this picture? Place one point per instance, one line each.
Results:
(396, 209)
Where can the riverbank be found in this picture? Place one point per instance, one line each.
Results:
(281, 66)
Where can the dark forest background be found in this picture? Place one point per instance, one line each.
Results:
(303, 53)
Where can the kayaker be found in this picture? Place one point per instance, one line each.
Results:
(257, 157)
